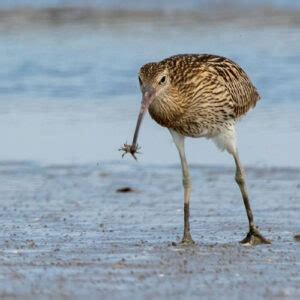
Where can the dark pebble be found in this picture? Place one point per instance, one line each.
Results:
(125, 190)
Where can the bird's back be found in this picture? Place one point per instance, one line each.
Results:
(215, 71)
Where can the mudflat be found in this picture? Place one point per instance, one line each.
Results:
(113, 230)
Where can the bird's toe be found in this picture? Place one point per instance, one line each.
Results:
(253, 238)
(187, 240)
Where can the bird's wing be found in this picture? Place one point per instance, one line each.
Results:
(242, 92)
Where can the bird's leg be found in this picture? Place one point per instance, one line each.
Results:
(254, 237)
(187, 238)
(187, 186)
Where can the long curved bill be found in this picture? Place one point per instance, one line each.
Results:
(148, 97)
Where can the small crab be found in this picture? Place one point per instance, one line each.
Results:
(132, 149)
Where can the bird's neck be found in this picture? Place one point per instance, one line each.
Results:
(166, 111)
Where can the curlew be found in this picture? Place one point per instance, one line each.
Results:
(199, 95)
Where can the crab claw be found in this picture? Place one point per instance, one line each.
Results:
(132, 149)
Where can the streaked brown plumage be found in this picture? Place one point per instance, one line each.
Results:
(197, 95)
(208, 92)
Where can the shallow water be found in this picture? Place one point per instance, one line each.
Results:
(69, 91)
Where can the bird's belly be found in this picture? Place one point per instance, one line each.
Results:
(198, 126)
(196, 131)
(191, 125)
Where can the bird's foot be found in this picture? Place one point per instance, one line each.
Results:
(132, 149)
(187, 240)
(297, 237)
(254, 237)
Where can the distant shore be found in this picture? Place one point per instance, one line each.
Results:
(256, 16)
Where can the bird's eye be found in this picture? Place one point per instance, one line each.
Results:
(162, 80)
(140, 80)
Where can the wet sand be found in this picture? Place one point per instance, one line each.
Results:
(67, 233)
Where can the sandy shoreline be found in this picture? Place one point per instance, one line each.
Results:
(67, 233)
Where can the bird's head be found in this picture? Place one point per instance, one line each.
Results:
(154, 84)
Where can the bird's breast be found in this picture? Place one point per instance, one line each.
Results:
(166, 112)
(191, 121)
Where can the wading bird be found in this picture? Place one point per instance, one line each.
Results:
(199, 96)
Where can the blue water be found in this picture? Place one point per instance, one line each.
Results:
(69, 92)
(154, 4)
